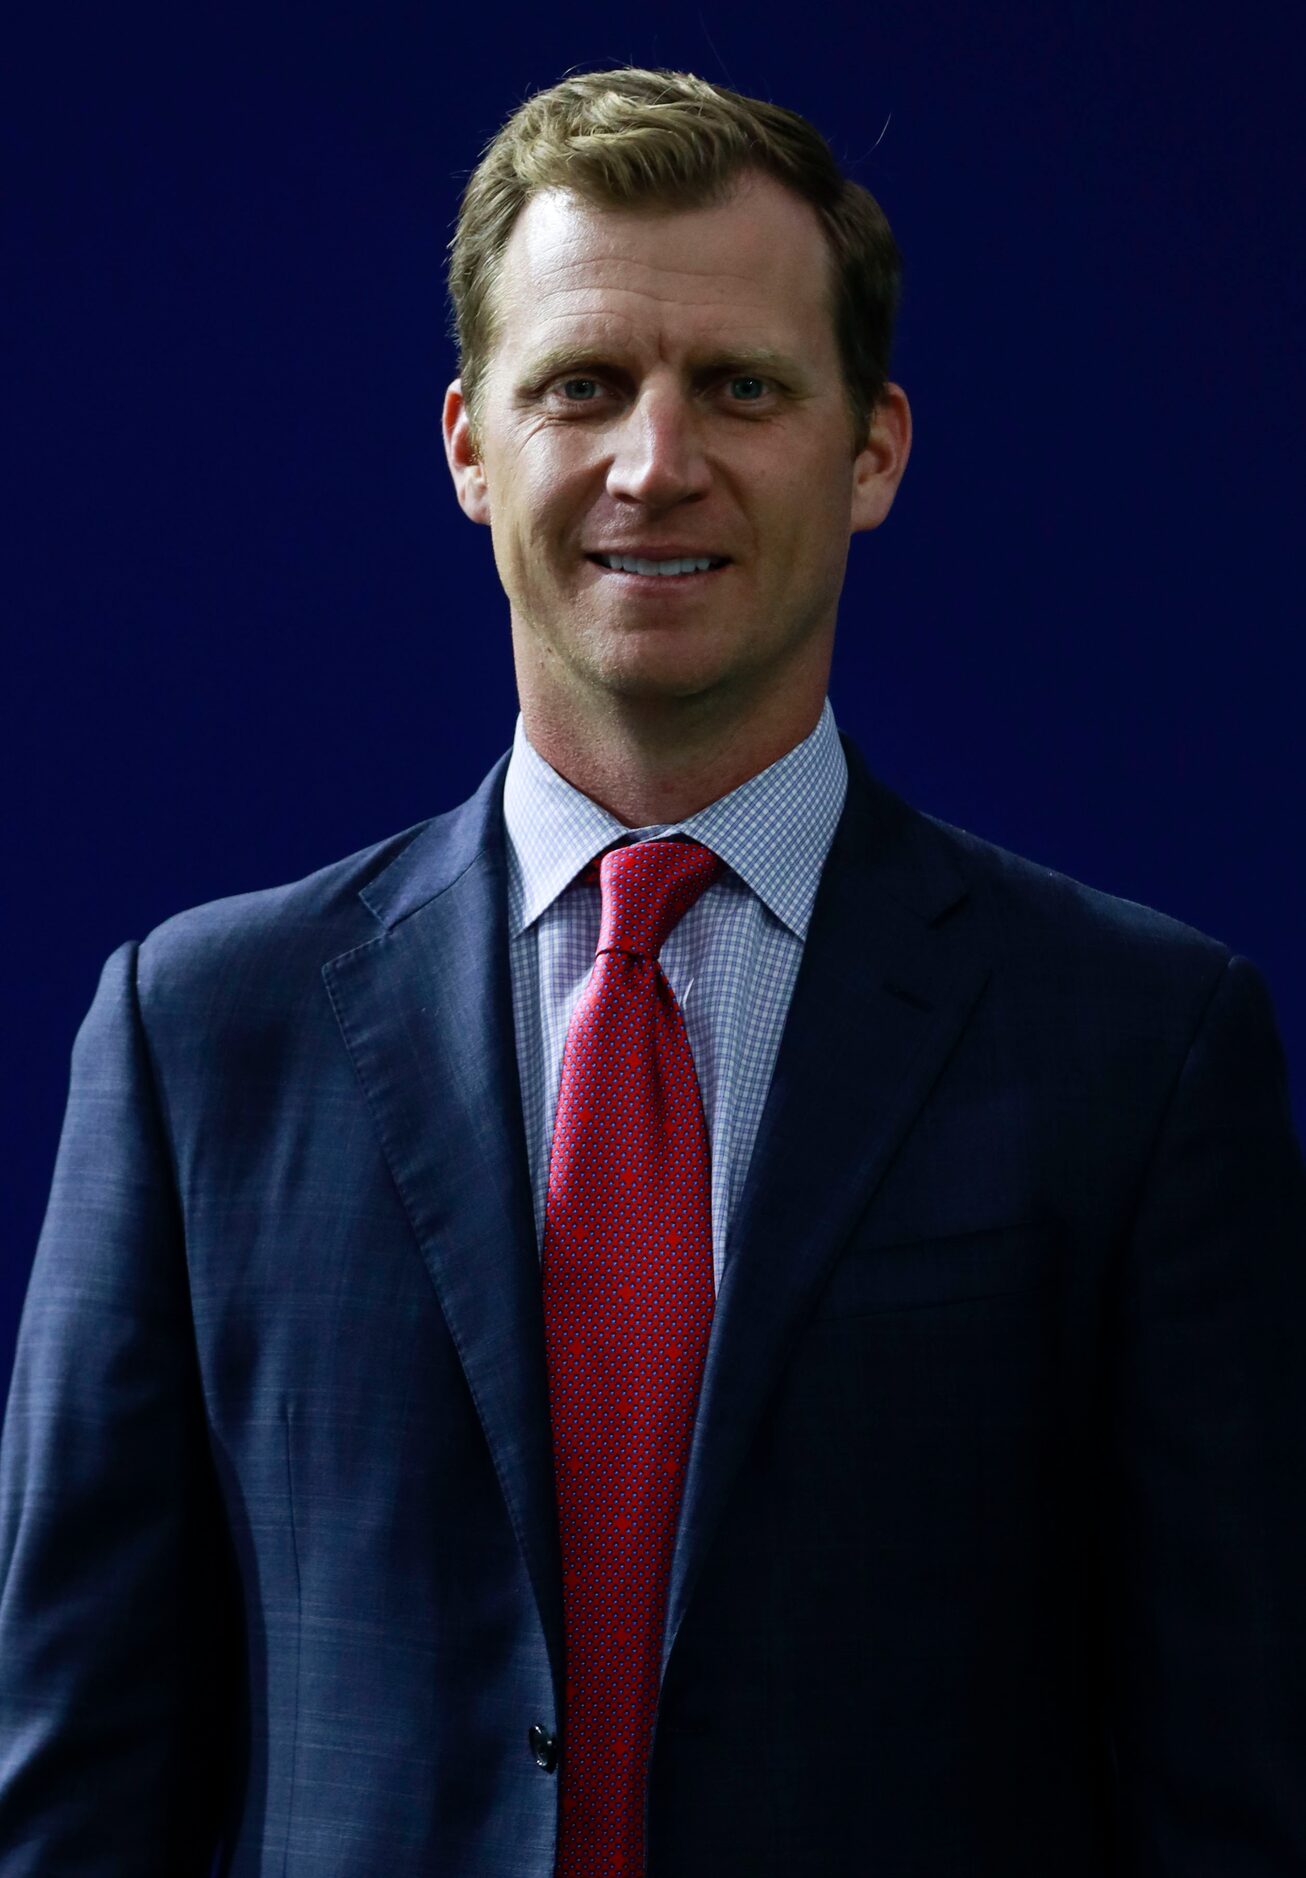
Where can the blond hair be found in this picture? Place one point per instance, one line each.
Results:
(633, 138)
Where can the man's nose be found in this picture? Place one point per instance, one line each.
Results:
(658, 458)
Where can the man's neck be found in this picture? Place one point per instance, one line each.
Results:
(647, 778)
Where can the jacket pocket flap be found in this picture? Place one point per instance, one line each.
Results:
(991, 1261)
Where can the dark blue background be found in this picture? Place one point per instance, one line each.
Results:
(252, 632)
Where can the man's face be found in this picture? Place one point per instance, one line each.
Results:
(667, 385)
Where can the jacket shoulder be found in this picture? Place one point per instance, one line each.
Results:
(1049, 922)
(248, 942)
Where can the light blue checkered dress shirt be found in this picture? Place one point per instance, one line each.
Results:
(732, 960)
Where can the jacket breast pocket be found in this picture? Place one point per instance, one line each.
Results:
(958, 1268)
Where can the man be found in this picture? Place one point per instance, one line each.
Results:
(683, 1316)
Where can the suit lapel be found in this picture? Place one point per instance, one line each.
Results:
(890, 974)
(426, 1012)
(891, 971)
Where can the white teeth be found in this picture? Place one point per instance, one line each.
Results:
(629, 564)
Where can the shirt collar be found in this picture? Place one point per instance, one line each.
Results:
(774, 831)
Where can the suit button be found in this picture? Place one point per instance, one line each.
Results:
(544, 1747)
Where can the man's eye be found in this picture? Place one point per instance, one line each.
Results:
(579, 390)
(753, 389)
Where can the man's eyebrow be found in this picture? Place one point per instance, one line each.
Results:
(759, 361)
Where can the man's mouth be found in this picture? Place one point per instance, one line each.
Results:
(666, 568)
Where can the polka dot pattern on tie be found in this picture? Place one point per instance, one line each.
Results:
(628, 1297)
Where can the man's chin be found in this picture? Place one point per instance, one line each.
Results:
(651, 677)
(645, 664)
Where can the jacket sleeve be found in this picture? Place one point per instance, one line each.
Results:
(118, 1629)
(1205, 1514)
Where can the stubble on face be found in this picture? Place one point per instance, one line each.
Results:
(668, 383)
(643, 306)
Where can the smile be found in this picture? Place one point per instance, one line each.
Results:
(636, 564)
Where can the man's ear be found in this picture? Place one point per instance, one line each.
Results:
(879, 465)
(460, 451)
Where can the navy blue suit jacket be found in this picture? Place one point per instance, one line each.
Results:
(992, 1556)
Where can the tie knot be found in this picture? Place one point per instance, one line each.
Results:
(647, 889)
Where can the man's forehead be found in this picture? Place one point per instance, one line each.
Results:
(724, 251)
(577, 273)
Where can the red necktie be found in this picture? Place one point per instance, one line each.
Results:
(628, 1298)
